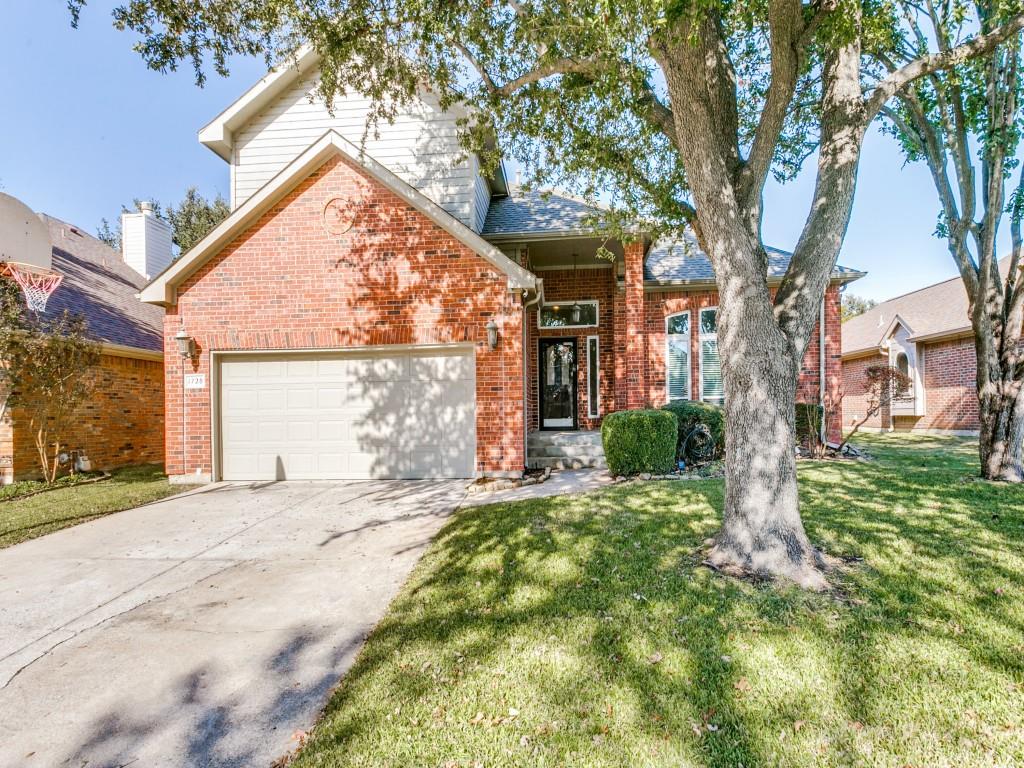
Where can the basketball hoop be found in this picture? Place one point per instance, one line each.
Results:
(37, 284)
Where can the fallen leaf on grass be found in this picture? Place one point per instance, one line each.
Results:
(799, 724)
(655, 658)
(742, 685)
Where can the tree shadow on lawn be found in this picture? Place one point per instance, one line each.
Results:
(591, 618)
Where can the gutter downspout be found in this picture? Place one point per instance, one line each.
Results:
(821, 370)
(526, 369)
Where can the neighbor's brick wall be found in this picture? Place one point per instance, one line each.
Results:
(122, 423)
(6, 447)
(951, 400)
(583, 285)
(855, 399)
(393, 278)
(950, 376)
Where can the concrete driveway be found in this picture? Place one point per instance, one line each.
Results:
(203, 630)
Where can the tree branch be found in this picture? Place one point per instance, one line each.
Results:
(562, 66)
(980, 44)
(785, 23)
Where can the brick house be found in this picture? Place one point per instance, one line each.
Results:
(382, 309)
(927, 334)
(122, 423)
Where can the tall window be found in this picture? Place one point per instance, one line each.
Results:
(593, 377)
(711, 388)
(677, 356)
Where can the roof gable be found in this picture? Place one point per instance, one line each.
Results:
(162, 290)
(218, 134)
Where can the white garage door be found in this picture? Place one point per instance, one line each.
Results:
(320, 416)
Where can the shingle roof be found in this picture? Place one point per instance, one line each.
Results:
(100, 286)
(681, 260)
(536, 213)
(936, 309)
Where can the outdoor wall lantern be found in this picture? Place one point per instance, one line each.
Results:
(492, 334)
(576, 314)
(186, 344)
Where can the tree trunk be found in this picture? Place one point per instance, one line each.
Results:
(1001, 442)
(761, 533)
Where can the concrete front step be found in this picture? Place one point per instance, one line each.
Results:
(590, 437)
(567, 451)
(543, 462)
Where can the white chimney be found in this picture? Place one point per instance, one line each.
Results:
(145, 241)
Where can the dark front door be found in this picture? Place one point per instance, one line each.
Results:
(557, 383)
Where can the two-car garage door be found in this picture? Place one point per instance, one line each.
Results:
(319, 416)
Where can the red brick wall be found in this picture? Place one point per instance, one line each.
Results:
(855, 400)
(564, 286)
(951, 400)
(950, 376)
(122, 423)
(659, 306)
(393, 278)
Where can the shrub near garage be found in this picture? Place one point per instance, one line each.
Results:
(640, 441)
(689, 414)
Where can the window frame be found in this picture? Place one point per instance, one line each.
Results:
(595, 324)
(593, 403)
(689, 357)
(701, 338)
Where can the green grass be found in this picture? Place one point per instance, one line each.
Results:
(583, 632)
(28, 487)
(27, 518)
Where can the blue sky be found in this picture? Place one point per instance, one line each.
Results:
(88, 127)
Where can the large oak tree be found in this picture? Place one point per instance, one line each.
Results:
(966, 124)
(677, 111)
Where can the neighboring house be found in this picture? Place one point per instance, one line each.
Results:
(122, 423)
(391, 312)
(927, 335)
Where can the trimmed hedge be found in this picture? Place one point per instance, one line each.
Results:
(690, 413)
(640, 441)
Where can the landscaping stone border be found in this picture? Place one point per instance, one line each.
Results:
(493, 484)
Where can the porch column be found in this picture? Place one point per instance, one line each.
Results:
(636, 364)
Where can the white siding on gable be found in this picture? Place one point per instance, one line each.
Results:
(481, 195)
(421, 146)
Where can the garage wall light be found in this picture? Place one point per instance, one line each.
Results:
(186, 344)
(492, 334)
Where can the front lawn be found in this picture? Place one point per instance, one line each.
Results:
(583, 632)
(27, 518)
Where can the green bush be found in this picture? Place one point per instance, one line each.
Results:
(640, 441)
(690, 413)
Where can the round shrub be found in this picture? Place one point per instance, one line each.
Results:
(640, 441)
(690, 413)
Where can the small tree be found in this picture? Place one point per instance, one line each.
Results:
(966, 125)
(48, 368)
(194, 216)
(883, 385)
(855, 305)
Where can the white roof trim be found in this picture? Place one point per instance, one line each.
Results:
(162, 290)
(218, 134)
(891, 328)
